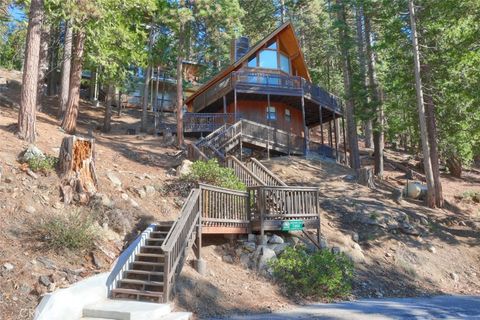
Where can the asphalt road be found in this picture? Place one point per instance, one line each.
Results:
(439, 307)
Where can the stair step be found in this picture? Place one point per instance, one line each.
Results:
(151, 255)
(142, 282)
(151, 273)
(126, 309)
(154, 239)
(152, 247)
(138, 292)
(159, 232)
(148, 263)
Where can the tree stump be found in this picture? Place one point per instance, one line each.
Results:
(77, 169)
(365, 177)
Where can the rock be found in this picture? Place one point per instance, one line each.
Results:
(96, 261)
(397, 195)
(432, 249)
(251, 237)
(455, 277)
(262, 240)
(185, 168)
(46, 262)
(31, 152)
(32, 174)
(279, 248)
(267, 255)
(30, 209)
(355, 236)
(8, 180)
(249, 246)
(124, 196)
(150, 190)
(8, 266)
(323, 243)
(114, 179)
(51, 287)
(58, 205)
(335, 250)
(276, 239)
(227, 259)
(407, 228)
(141, 193)
(44, 280)
(388, 254)
(245, 260)
(134, 203)
(424, 221)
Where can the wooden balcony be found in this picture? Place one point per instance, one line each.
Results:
(267, 82)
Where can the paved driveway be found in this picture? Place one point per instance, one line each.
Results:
(439, 307)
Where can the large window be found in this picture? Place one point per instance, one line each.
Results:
(271, 113)
(284, 63)
(271, 58)
(268, 59)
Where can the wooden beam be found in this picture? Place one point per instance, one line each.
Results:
(305, 133)
(344, 142)
(235, 105)
(320, 112)
(224, 104)
(336, 136)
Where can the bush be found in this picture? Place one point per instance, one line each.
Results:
(321, 274)
(211, 172)
(74, 231)
(47, 163)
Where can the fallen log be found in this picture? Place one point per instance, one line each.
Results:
(77, 169)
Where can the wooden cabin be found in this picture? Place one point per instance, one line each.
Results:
(269, 84)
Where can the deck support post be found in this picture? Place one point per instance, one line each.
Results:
(330, 138)
(268, 126)
(345, 160)
(235, 105)
(305, 129)
(336, 136)
(320, 116)
(225, 108)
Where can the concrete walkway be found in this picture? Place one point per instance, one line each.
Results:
(440, 307)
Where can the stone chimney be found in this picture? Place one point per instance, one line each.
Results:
(239, 48)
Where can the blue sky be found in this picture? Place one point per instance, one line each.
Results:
(16, 13)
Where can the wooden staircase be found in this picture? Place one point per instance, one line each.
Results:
(144, 278)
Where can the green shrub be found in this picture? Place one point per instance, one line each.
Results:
(321, 274)
(48, 163)
(74, 231)
(211, 172)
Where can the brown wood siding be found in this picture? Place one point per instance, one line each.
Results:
(255, 110)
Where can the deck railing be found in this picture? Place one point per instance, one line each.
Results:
(178, 239)
(194, 153)
(205, 122)
(267, 81)
(265, 175)
(244, 173)
(224, 207)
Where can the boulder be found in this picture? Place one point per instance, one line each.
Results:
(245, 260)
(114, 179)
(185, 168)
(150, 190)
(31, 152)
(249, 246)
(279, 248)
(141, 193)
(267, 255)
(227, 259)
(276, 239)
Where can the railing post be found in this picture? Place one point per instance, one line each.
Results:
(166, 278)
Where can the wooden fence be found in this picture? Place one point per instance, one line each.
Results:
(265, 175)
(224, 210)
(244, 173)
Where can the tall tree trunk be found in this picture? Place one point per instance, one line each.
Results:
(367, 123)
(107, 120)
(427, 163)
(42, 64)
(432, 139)
(119, 102)
(155, 104)
(69, 123)
(52, 61)
(376, 103)
(28, 95)
(283, 11)
(347, 82)
(93, 85)
(180, 86)
(65, 80)
(146, 89)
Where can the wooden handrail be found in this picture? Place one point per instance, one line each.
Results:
(194, 153)
(269, 178)
(243, 172)
(178, 239)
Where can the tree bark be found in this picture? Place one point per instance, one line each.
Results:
(432, 140)
(107, 120)
(69, 123)
(180, 139)
(77, 169)
(146, 89)
(427, 163)
(42, 63)
(65, 80)
(347, 82)
(376, 103)
(53, 61)
(28, 95)
(155, 101)
(93, 85)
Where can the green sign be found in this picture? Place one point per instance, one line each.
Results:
(292, 225)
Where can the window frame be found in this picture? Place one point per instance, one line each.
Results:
(288, 115)
(269, 113)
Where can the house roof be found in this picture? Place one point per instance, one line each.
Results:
(289, 40)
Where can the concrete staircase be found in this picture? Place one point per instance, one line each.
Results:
(143, 279)
(131, 310)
